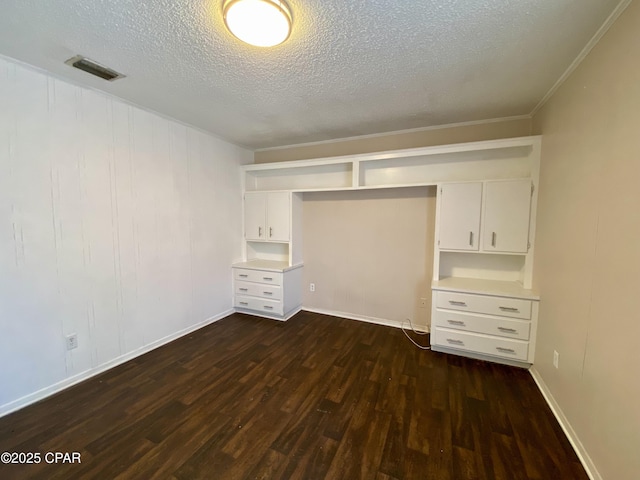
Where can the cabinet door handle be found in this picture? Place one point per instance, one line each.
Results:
(471, 239)
(243, 289)
(270, 232)
(509, 309)
(259, 231)
(244, 303)
(505, 350)
(455, 342)
(268, 307)
(457, 304)
(456, 322)
(268, 279)
(507, 330)
(243, 275)
(493, 239)
(268, 293)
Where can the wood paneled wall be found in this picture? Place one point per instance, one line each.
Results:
(115, 224)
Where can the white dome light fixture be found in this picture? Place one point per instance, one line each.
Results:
(263, 23)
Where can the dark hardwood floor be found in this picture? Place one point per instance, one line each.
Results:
(313, 398)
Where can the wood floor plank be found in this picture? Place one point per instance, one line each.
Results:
(317, 397)
(464, 464)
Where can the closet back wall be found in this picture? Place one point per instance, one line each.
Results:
(116, 224)
(370, 253)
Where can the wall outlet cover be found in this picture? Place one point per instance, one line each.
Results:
(72, 341)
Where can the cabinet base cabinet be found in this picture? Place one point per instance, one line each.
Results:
(480, 356)
(267, 289)
(487, 324)
(490, 327)
(483, 344)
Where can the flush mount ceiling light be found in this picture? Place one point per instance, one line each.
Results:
(263, 23)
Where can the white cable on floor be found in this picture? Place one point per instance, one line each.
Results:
(421, 347)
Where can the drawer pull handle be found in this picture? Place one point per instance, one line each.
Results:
(456, 322)
(509, 309)
(508, 330)
(269, 279)
(455, 342)
(268, 293)
(458, 304)
(243, 275)
(270, 232)
(243, 289)
(505, 350)
(244, 303)
(471, 239)
(493, 239)
(259, 231)
(268, 307)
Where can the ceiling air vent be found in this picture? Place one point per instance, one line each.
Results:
(94, 68)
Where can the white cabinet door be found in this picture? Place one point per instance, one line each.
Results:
(505, 225)
(278, 217)
(267, 216)
(460, 216)
(255, 211)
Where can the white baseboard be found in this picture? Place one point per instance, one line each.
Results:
(362, 318)
(568, 430)
(43, 393)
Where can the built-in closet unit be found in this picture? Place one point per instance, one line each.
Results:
(482, 302)
(269, 280)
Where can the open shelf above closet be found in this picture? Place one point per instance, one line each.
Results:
(493, 159)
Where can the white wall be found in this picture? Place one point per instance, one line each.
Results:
(370, 253)
(427, 137)
(115, 224)
(588, 251)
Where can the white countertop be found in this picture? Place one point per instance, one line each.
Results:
(268, 265)
(485, 287)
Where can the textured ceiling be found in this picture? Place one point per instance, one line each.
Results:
(349, 68)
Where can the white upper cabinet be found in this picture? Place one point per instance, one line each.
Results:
(255, 216)
(505, 224)
(459, 225)
(267, 216)
(278, 217)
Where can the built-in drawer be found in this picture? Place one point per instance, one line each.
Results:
(479, 343)
(259, 304)
(504, 327)
(258, 290)
(260, 276)
(469, 302)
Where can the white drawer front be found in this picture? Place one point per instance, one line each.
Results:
(478, 343)
(259, 276)
(469, 302)
(259, 304)
(273, 292)
(503, 327)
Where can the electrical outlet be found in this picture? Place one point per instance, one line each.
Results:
(423, 303)
(312, 287)
(556, 357)
(72, 341)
